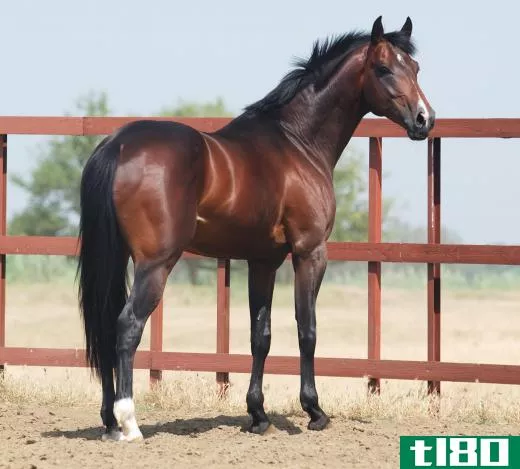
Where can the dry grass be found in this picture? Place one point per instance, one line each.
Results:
(196, 395)
(477, 327)
(25, 390)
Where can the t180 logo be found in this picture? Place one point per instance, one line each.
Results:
(456, 451)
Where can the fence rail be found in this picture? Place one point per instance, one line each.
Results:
(337, 251)
(450, 128)
(374, 252)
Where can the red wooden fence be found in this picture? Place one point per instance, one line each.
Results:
(374, 252)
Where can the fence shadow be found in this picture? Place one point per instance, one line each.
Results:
(189, 427)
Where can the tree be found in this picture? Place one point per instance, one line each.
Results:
(183, 108)
(350, 187)
(399, 231)
(53, 185)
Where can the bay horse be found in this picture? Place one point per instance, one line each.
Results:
(257, 189)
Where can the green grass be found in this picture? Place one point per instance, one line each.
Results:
(41, 269)
(37, 269)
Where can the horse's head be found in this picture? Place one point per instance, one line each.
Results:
(390, 84)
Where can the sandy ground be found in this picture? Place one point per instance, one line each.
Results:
(52, 419)
(57, 437)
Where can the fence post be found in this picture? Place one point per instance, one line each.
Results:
(223, 278)
(374, 268)
(156, 340)
(3, 231)
(434, 270)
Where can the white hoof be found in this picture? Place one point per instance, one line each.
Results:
(124, 412)
(133, 436)
(113, 435)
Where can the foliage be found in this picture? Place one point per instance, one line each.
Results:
(183, 108)
(53, 184)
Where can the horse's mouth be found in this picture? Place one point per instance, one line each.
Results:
(418, 135)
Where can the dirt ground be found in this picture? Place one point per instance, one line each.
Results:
(50, 418)
(70, 437)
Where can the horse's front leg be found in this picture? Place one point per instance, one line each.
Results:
(309, 268)
(261, 284)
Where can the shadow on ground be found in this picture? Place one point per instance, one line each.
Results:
(191, 427)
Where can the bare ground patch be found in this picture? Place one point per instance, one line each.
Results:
(48, 437)
(50, 417)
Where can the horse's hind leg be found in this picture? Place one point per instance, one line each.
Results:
(152, 267)
(112, 431)
(147, 290)
(155, 195)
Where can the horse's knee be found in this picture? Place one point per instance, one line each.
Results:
(261, 334)
(261, 344)
(307, 342)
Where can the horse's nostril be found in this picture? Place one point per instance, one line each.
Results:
(420, 120)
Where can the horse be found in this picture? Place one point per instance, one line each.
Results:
(257, 189)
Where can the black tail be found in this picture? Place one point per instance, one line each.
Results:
(103, 258)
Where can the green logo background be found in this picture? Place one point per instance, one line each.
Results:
(407, 456)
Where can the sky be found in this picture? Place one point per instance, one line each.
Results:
(147, 55)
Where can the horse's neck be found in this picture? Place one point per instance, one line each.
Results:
(326, 120)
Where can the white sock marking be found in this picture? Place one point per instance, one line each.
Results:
(113, 435)
(124, 412)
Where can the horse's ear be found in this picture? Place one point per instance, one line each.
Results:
(377, 30)
(407, 27)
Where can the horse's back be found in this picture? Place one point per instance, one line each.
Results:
(149, 131)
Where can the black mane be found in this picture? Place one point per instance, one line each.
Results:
(325, 57)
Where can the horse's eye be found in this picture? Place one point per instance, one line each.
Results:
(382, 70)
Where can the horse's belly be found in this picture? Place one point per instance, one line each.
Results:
(226, 239)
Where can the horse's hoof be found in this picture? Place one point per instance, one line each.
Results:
(134, 435)
(319, 424)
(261, 428)
(113, 435)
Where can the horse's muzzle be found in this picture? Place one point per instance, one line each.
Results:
(420, 127)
